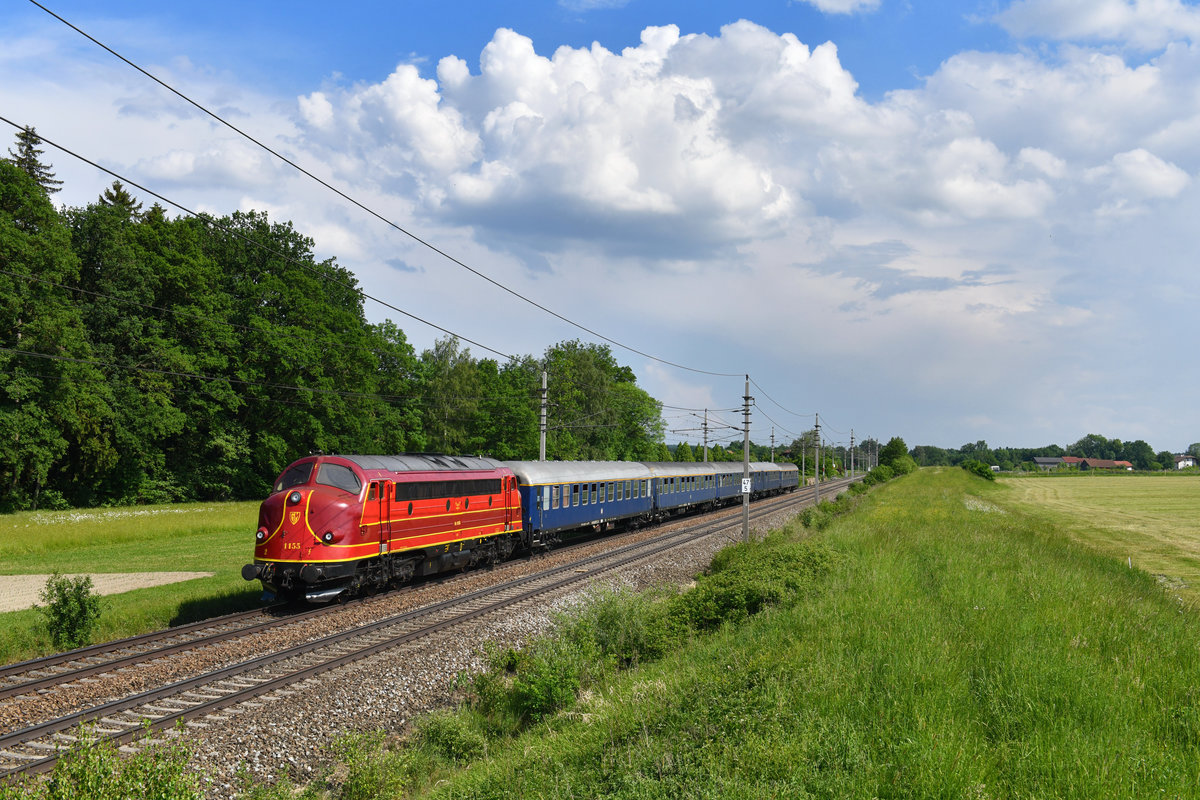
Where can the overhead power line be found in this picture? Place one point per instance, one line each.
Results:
(371, 211)
(213, 223)
(776, 402)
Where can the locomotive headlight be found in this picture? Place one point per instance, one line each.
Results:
(327, 537)
(294, 498)
(261, 534)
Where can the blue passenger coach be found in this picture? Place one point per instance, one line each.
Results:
(789, 477)
(564, 495)
(680, 486)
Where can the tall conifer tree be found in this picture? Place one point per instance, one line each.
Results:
(27, 158)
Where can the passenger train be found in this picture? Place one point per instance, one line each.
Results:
(336, 526)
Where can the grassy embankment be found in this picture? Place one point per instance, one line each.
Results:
(189, 538)
(957, 644)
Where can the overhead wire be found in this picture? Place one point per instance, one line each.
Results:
(374, 213)
(211, 221)
(776, 402)
(380, 217)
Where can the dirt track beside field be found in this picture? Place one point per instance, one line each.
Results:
(21, 591)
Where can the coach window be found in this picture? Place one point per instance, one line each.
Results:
(611, 490)
(575, 494)
(554, 497)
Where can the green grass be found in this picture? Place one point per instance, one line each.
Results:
(215, 538)
(958, 647)
(1153, 520)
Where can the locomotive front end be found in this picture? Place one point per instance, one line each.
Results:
(306, 544)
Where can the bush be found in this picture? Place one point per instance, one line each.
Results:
(746, 578)
(880, 474)
(626, 627)
(979, 468)
(94, 770)
(371, 769)
(724, 597)
(528, 685)
(548, 680)
(451, 737)
(72, 610)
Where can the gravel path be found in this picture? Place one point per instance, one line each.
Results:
(18, 592)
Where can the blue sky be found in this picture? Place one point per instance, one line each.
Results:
(944, 221)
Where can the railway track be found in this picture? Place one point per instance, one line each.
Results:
(34, 748)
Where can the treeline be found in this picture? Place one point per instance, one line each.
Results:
(1137, 452)
(150, 359)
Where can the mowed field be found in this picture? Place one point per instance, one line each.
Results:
(1151, 521)
(216, 538)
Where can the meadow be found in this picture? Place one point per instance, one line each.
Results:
(1150, 522)
(209, 537)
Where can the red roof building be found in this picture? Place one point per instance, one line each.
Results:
(1103, 463)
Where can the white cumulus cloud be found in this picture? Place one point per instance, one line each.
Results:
(1146, 24)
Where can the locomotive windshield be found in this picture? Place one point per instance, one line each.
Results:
(294, 475)
(340, 477)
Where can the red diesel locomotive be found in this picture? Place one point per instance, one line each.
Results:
(355, 524)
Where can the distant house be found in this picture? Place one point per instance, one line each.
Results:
(1072, 461)
(1184, 461)
(1047, 463)
(1105, 463)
